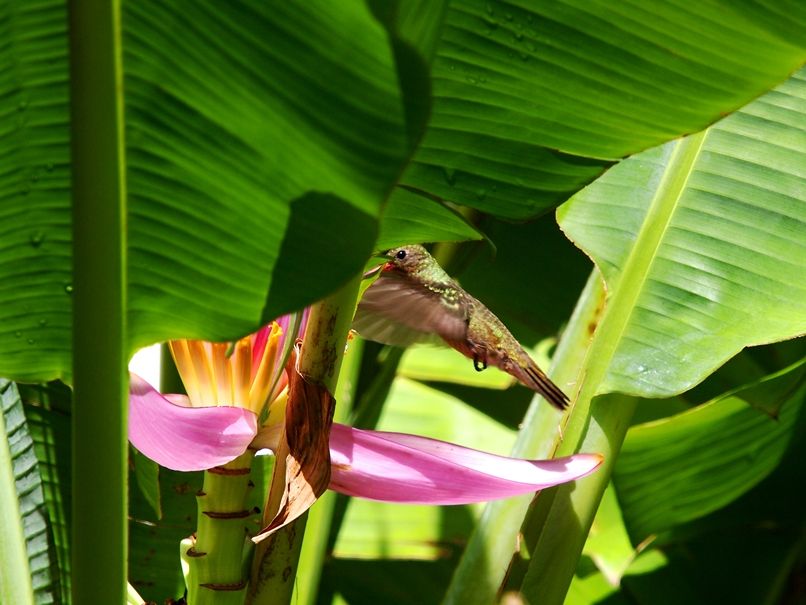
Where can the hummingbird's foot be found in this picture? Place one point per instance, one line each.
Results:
(476, 363)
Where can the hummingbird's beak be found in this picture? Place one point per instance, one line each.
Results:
(374, 259)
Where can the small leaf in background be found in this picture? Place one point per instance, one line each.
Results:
(409, 218)
(770, 394)
(608, 543)
(147, 480)
(154, 544)
(680, 468)
(446, 365)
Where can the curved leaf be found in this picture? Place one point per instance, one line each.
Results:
(707, 236)
(531, 99)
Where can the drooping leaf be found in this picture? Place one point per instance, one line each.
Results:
(677, 469)
(303, 470)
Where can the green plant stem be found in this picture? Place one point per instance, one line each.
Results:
(277, 558)
(320, 516)
(326, 335)
(100, 377)
(214, 563)
(486, 560)
(559, 520)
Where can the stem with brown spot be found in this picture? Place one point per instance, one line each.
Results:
(274, 566)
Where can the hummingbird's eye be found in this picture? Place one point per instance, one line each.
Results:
(401, 254)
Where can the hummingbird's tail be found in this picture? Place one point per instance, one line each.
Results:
(534, 378)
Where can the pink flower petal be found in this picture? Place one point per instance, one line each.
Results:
(185, 438)
(405, 468)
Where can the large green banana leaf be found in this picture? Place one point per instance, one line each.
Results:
(701, 246)
(263, 140)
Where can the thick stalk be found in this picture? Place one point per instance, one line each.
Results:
(486, 559)
(276, 558)
(99, 537)
(320, 516)
(559, 524)
(213, 562)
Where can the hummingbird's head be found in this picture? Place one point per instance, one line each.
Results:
(407, 258)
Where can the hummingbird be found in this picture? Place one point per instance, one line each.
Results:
(414, 300)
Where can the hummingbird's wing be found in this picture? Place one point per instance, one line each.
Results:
(398, 311)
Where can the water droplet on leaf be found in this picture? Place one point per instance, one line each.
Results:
(31, 341)
(69, 288)
(37, 238)
(17, 334)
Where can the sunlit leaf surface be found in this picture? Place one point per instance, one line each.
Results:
(708, 236)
